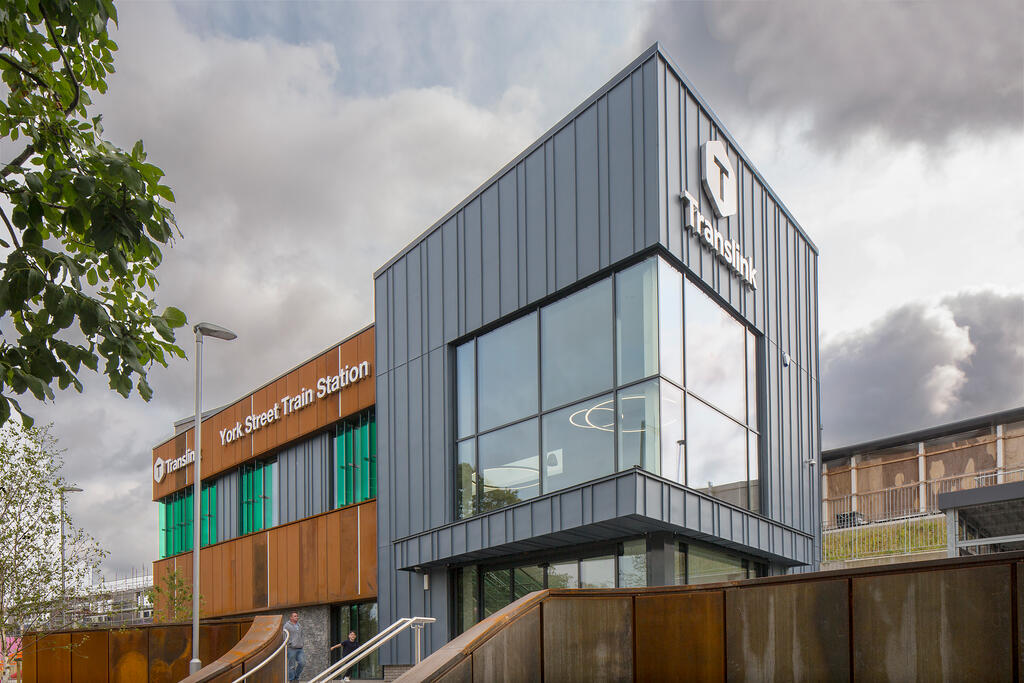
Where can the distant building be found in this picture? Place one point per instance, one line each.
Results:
(955, 489)
(122, 601)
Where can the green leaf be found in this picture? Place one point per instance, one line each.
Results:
(174, 317)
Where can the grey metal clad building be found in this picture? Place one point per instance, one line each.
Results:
(599, 369)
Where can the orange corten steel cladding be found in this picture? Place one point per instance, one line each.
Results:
(321, 413)
(286, 566)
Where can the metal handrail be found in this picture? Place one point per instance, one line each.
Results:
(370, 646)
(268, 660)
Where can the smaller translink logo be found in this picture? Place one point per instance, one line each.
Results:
(158, 470)
(718, 177)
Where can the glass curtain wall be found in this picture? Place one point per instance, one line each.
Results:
(175, 514)
(361, 618)
(641, 369)
(482, 591)
(356, 459)
(257, 504)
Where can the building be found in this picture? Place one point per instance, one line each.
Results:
(599, 369)
(288, 512)
(944, 491)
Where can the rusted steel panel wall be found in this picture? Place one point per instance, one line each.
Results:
(790, 631)
(129, 656)
(53, 658)
(588, 639)
(953, 624)
(680, 637)
(90, 657)
(322, 412)
(170, 649)
(514, 654)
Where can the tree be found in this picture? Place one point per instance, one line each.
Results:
(82, 220)
(38, 591)
(172, 598)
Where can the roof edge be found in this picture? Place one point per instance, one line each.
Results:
(991, 419)
(620, 76)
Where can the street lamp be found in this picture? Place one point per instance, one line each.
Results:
(218, 332)
(63, 579)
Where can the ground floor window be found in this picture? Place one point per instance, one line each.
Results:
(361, 618)
(481, 590)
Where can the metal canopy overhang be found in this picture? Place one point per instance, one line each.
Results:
(620, 505)
(996, 512)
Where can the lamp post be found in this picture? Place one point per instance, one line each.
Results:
(63, 579)
(201, 330)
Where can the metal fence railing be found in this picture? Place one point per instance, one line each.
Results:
(899, 520)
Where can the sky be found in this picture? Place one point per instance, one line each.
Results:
(306, 143)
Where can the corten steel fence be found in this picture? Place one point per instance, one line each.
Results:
(954, 620)
(901, 520)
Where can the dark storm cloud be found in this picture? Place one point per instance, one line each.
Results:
(913, 71)
(921, 366)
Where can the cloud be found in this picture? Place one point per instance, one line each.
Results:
(912, 71)
(922, 365)
(290, 193)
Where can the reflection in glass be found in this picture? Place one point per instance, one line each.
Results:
(751, 379)
(679, 564)
(638, 426)
(636, 324)
(465, 371)
(497, 589)
(466, 602)
(507, 373)
(525, 580)
(564, 574)
(576, 345)
(597, 572)
(633, 564)
(509, 465)
(754, 471)
(673, 449)
(716, 450)
(710, 566)
(670, 313)
(466, 480)
(579, 443)
(715, 354)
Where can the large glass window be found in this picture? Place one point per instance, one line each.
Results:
(636, 321)
(257, 504)
(576, 345)
(578, 443)
(361, 618)
(509, 465)
(706, 565)
(355, 456)
(175, 514)
(554, 369)
(639, 426)
(507, 373)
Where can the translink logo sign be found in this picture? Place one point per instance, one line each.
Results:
(163, 467)
(718, 178)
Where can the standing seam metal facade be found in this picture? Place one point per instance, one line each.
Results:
(599, 188)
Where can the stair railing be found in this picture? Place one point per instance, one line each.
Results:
(372, 645)
(284, 642)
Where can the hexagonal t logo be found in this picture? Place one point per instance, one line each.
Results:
(158, 470)
(718, 177)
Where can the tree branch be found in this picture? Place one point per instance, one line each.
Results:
(13, 62)
(16, 162)
(10, 228)
(67, 64)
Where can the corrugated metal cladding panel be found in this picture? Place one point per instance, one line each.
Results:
(305, 471)
(227, 506)
(600, 187)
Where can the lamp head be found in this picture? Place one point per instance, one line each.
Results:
(211, 330)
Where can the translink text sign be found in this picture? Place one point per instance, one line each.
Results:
(718, 179)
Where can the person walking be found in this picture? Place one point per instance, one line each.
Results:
(348, 647)
(296, 657)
